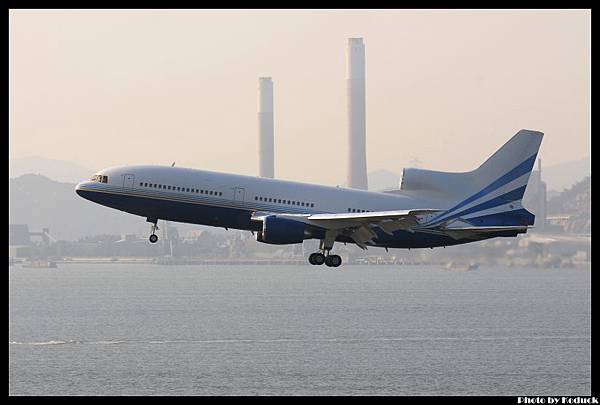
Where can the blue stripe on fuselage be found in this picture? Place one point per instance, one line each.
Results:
(172, 210)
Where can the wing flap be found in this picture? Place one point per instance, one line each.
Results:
(359, 225)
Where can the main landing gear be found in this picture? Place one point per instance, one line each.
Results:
(324, 256)
(153, 238)
(319, 258)
(316, 258)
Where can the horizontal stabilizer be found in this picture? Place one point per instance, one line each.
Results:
(474, 231)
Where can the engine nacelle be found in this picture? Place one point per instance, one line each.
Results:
(282, 231)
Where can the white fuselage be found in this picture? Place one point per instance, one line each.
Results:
(431, 208)
(245, 192)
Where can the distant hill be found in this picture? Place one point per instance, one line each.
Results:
(576, 202)
(577, 198)
(39, 202)
(562, 176)
(557, 177)
(58, 170)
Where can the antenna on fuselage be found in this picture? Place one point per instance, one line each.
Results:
(173, 164)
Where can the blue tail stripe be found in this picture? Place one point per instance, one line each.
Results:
(521, 169)
(506, 198)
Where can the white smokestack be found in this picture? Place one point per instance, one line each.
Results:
(355, 79)
(265, 128)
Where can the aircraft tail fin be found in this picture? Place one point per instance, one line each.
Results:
(513, 160)
(491, 194)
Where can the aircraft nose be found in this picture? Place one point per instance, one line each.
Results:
(79, 188)
(85, 190)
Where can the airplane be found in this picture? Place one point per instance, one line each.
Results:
(431, 208)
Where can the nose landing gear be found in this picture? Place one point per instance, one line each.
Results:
(153, 238)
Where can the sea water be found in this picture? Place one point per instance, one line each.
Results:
(298, 330)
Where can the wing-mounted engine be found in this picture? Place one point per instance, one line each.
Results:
(277, 230)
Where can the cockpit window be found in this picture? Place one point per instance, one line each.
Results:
(99, 178)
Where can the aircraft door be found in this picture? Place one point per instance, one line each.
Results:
(238, 194)
(128, 180)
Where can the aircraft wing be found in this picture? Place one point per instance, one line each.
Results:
(387, 220)
(359, 225)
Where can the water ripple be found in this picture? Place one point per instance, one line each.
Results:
(292, 340)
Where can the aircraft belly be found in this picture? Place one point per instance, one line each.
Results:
(238, 218)
(172, 210)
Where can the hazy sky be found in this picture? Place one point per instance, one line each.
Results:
(104, 88)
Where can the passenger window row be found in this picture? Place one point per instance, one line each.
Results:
(183, 189)
(357, 210)
(281, 201)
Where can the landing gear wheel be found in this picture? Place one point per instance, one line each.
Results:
(153, 238)
(333, 260)
(316, 259)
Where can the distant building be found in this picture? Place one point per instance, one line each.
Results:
(355, 85)
(535, 198)
(266, 159)
(19, 241)
(561, 221)
(18, 234)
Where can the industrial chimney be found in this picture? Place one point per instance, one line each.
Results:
(355, 79)
(265, 128)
